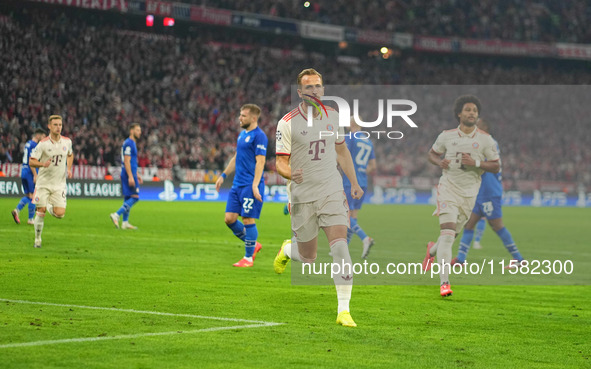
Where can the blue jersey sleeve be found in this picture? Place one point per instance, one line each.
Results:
(261, 142)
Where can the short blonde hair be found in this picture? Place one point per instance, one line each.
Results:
(308, 72)
(52, 117)
(253, 108)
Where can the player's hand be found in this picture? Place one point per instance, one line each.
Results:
(467, 160)
(298, 176)
(444, 164)
(356, 192)
(47, 163)
(218, 183)
(131, 182)
(140, 180)
(256, 193)
(70, 173)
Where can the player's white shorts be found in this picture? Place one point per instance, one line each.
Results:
(307, 218)
(453, 208)
(43, 196)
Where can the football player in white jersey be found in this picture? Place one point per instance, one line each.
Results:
(308, 158)
(53, 155)
(464, 153)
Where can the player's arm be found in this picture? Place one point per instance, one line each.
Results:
(492, 166)
(35, 163)
(127, 165)
(258, 174)
(491, 153)
(282, 166)
(435, 159)
(230, 168)
(69, 162)
(346, 162)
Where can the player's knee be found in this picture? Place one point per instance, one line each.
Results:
(447, 235)
(230, 219)
(60, 214)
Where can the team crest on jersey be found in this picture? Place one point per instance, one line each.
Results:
(475, 145)
(278, 135)
(247, 139)
(329, 127)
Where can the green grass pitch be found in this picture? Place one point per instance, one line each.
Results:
(179, 263)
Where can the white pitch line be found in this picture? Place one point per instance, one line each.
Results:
(90, 339)
(257, 324)
(118, 235)
(141, 312)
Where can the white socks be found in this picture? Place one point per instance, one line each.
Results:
(344, 280)
(291, 250)
(38, 224)
(444, 246)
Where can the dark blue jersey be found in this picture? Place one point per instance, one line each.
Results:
(361, 152)
(129, 149)
(250, 144)
(492, 185)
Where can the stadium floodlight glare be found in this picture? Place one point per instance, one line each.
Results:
(149, 20)
(306, 4)
(384, 50)
(168, 22)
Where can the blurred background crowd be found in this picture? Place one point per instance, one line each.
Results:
(186, 85)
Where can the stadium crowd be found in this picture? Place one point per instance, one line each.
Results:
(540, 20)
(100, 75)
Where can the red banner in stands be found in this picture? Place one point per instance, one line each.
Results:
(497, 47)
(374, 37)
(158, 7)
(120, 5)
(212, 16)
(574, 51)
(441, 44)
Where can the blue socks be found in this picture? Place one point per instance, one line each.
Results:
(465, 243)
(24, 201)
(356, 228)
(250, 239)
(349, 235)
(480, 226)
(509, 243)
(238, 229)
(126, 207)
(32, 208)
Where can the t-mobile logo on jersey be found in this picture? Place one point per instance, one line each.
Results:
(393, 109)
(316, 150)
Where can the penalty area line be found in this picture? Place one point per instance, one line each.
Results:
(253, 324)
(128, 336)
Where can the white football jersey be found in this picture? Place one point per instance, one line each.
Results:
(311, 149)
(54, 176)
(464, 180)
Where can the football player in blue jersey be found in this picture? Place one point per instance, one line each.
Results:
(248, 188)
(488, 204)
(130, 182)
(28, 178)
(364, 160)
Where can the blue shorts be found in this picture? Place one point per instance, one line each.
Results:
(126, 189)
(354, 204)
(489, 208)
(27, 182)
(241, 201)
